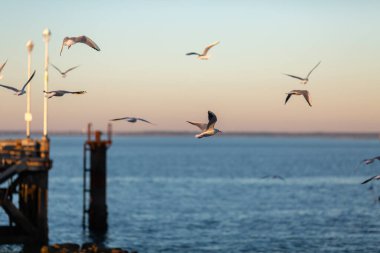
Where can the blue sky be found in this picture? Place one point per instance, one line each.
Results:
(142, 69)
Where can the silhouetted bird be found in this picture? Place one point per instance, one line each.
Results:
(204, 55)
(306, 79)
(132, 120)
(63, 74)
(60, 93)
(207, 129)
(69, 41)
(22, 91)
(304, 93)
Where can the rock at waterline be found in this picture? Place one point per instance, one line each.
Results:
(75, 248)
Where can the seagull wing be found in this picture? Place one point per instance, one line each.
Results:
(2, 66)
(368, 161)
(144, 120)
(77, 92)
(68, 92)
(306, 96)
(89, 42)
(120, 119)
(9, 88)
(313, 69)
(211, 120)
(63, 44)
(27, 82)
(69, 70)
(57, 69)
(193, 53)
(297, 77)
(201, 126)
(288, 97)
(205, 51)
(369, 179)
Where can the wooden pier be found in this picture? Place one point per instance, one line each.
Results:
(24, 167)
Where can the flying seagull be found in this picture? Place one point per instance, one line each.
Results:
(63, 74)
(22, 91)
(204, 55)
(274, 177)
(69, 41)
(304, 93)
(371, 160)
(60, 93)
(132, 120)
(207, 129)
(372, 178)
(306, 79)
(1, 69)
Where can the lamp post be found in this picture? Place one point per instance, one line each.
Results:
(28, 114)
(46, 35)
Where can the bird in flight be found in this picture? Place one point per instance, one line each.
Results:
(204, 55)
(17, 91)
(304, 93)
(69, 41)
(132, 120)
(372, 178)
(60, 93)
(274, 177)
(63, 74)
(369, 160)
(1, 69)
(207, 129)
(306, 79)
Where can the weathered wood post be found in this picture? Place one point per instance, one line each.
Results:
(97, 212)
(33, 195)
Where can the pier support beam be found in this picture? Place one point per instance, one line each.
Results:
(97, 211)
(25, 165)
(33, 202)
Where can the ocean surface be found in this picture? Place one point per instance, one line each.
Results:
(180, 194)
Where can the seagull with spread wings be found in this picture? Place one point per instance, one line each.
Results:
(306, 79)
(204, 55)
(207, 128)
(69, 41)
(370, 160)
(60, 93)
(63, 74)
(1, 69)
(17, 91)
(304, 93)
(132, 120)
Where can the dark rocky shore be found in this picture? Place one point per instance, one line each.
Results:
(85, 248)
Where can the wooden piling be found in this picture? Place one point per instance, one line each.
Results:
(97, 210)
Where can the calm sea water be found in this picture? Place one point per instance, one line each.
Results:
(179, 194)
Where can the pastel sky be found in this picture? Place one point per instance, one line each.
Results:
(142, 69)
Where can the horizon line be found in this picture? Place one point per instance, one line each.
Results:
(366, 135)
